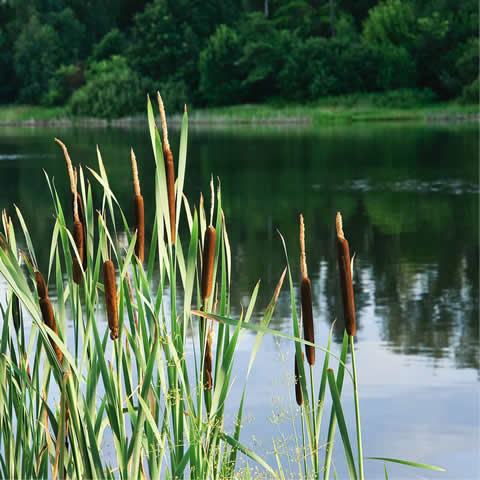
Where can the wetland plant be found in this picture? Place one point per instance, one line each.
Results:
(159, 390)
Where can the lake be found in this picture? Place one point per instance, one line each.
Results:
(409, 197)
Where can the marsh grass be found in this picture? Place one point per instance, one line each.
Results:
(162, 405)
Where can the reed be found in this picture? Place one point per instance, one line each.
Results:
(169, 168)
(111, 297)
(138, 209)
(345, 271)
(47, 311)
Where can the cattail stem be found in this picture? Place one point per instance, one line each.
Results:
(47, 312)
(138, 208)
(111, 297)
(207, 263)
(346, 284)
(306, 299)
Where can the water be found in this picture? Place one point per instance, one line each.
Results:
(409, 196)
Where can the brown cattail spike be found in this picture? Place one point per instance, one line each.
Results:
(138, 208)
(307, 315)
(47, 311)
(298, 387)
(346, 284)
(207, 262)
(207, 363)
(169, 167)
(111, 298)
(306, 299)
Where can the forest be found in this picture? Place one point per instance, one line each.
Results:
(99, 58)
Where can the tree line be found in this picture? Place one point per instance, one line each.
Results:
(100, 57)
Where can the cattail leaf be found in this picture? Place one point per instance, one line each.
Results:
(408, 463)
(53, 246)
(31, 250)
(385, 470)
(188, 212)
(266, 321)
(342, 426)
(108, 192)
(191, 265)
(333, 418)
(323, 385)
(265, 330)
(128, 257)
(182, 160)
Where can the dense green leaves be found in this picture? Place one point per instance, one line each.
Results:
(227, 52)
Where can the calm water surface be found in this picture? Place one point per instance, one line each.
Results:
(409, 196)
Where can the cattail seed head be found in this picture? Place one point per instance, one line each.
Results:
(78, 238)
(111, 298)
(298, 387)
(42, 289)
(207, 262)
(170, 176)
(47, 311)
(138, 208)
(16, 312)
(307, 315)
(140, 225)
(207, 364)
(169, 167)
(346, 284)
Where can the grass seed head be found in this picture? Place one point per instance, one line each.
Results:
(111, 297)
(346, 284)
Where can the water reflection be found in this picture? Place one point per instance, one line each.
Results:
(408, 195)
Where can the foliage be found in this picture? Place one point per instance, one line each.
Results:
(220, 73)
(391, 21)
(63, 83)
(412, 43)
(112, 90)
(113, 43)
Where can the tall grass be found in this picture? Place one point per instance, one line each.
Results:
(140, 382)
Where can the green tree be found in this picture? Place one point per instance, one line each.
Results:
(37, 53)
(220, 73)
(112, 90)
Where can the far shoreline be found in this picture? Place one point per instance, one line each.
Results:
(296, 114)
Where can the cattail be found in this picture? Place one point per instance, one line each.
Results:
(77, 237)
(47, 311)
(169, 168)
(207, 363)
(207, 262)
(346, 284)
(16, 312)
(79, 232)
(139, 212)
(306, 299)
(81, 217)
(111, 298)
(298, 387)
